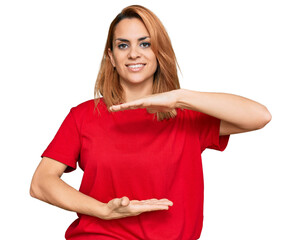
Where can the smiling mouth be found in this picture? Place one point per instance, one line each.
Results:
(135, 67)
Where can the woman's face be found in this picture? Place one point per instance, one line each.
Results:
(132, 55)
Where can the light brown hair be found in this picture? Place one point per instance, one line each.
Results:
(165, 78)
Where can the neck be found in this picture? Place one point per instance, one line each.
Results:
(134, 91)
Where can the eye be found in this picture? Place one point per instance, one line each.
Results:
(145, 44)
(122, 46)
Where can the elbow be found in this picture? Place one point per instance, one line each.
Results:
(267, 117)
(264, 118)
(32, 193)
(259, 120)
(33, 189)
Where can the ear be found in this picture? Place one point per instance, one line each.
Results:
(111, 57)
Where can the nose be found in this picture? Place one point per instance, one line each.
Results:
(133, 53)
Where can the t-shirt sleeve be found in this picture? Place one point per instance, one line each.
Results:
(209, 133)
(65, 146)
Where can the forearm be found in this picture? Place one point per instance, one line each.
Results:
(240, 111)
(55, 191)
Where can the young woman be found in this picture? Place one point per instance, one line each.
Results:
(140, 144)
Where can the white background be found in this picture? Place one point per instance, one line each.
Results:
(50, 53)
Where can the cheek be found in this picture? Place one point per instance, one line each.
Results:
(155, 64)
(153, 61)
(118, 59)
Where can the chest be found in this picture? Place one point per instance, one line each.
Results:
(141, 144)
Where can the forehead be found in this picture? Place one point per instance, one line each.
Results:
(130, 28)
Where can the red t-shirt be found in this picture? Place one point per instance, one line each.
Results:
(129, 153)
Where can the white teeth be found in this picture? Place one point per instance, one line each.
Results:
(136, 66)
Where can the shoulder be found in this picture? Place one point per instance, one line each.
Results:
(86, 110)
(83, 105)
(87, 106)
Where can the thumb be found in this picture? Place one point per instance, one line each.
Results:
(124, 201)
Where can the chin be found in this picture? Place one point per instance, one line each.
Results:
(136, 79)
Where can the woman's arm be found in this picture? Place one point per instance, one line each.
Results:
(48, 186)
(237, 114)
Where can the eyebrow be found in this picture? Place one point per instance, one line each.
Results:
(125, 40)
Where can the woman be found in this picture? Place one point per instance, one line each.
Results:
(141, 150)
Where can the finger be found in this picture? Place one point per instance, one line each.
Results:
(150, 200)
(131, 106)
(155, 199)
(125, 106)
(140, 103)
(114, 108)
(121, 107)
(158, 202)
(167, 200)
(157, 207)
(164, 199)
(147, 207)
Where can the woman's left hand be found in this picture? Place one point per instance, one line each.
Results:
(159, 102)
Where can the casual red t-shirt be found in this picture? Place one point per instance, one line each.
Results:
(130, 153)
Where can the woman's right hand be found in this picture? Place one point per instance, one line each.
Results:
(123, 207)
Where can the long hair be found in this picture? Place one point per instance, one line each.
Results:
(165, 78)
